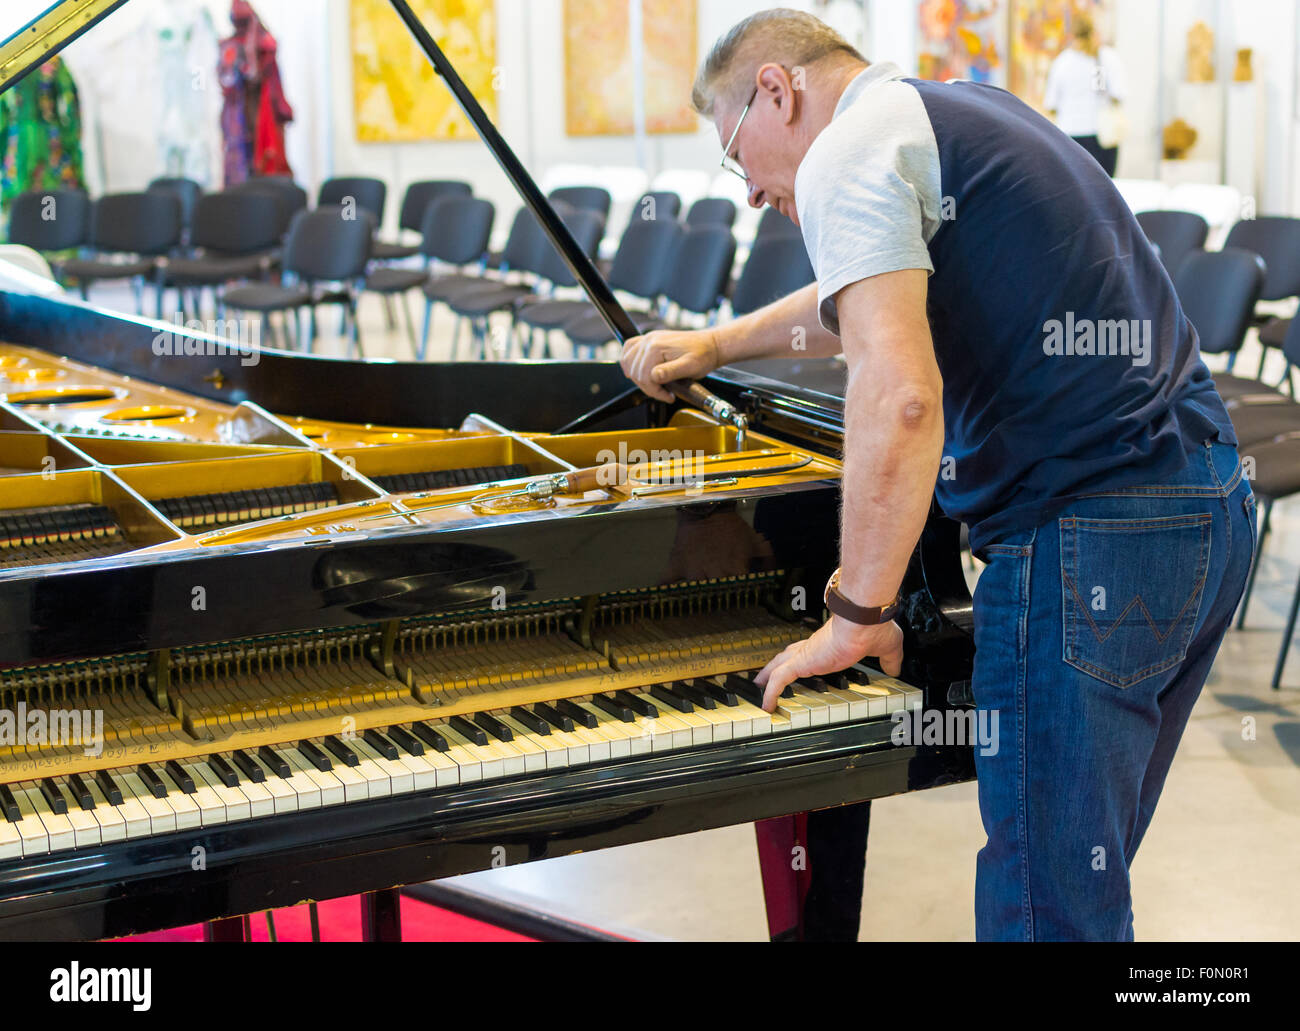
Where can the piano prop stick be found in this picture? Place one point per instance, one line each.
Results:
(580, 264)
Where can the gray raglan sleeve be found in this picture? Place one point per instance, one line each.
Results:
(868, 195)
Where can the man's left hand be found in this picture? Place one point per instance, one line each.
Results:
(837, 645)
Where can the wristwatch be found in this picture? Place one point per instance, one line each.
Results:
(862, 615)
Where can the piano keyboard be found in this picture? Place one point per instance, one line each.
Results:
(72, 811)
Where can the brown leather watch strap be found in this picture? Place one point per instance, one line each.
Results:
(863, 615)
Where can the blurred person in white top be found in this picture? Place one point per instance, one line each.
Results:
(1085, 86)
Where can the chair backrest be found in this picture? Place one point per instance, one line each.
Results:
(527, 246)
(701, 266)
(187, 192)
(50, 220)
(290, 197)
(1276, 239)
(587, 228)
(1218, 291)
(457, 228)
(326, 244)
(421, 195)
(138, 223)
(236, 221)
(656, 204)
(1291, 342)
(777, 265)
(1175, 234)
(717, 211)
(363, 191)
(774, 223)
(644, 256)
(584, 198)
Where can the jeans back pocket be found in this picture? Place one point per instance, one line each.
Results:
(1131, 592)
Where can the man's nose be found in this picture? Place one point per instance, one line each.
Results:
(756, 196)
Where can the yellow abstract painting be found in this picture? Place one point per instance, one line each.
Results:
(396, 94)
(598, 68)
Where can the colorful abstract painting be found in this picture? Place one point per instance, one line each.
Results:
(962, 39)
(598, 69)
(396, 94)
(1040, 29)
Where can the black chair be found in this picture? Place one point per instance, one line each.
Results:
(640, 269)
(1218, 291)
(521, 258)
(49, 221)
(657, 204)
(775, 223)
(712, 211)
(584, 198)
(187, 192)
(1175, 234)
(455, 231)
(234, 235)
(129, 233)
(1276, 239)
(476, 305)
(363, 191)
(290, 197)
(323, 246)
(777, 266)
(416, 201)
(701, 265)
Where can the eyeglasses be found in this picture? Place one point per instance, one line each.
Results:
(728, 162)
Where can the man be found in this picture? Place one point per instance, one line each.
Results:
(1014, 345)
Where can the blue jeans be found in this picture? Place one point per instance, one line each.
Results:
(1093, 635)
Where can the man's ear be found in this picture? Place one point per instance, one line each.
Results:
(775, 81)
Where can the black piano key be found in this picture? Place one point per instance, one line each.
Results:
(430, 736)
(531, 720)
(9, 804)
(224, 771)
(700, 697)
(815, 684)
(156, 785)
(467, 730)
(721, 695)
(339, 749)
(177, 773)
(556, 719)
(745, 689)
(81, 792)
(274, 762)
(671, 698)
(494, 726)
(615, 708)
(112, 792)
(248, 766)
(379, 743)
(58, 804)
(640, 706)
(577, 713)
(405, 740)
(315, 756)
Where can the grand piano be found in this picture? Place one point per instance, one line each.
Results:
(299, 627)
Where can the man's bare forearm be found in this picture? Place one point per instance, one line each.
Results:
(787, 328)
(893, 446)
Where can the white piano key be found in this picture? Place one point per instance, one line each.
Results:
(491, 765)
(11, 842)
(235, 801)
(283, 797)
(554, 753)
(188, 815)
(58, 828)
(139, 821)
(400, 779)
(35, 838)
(329, 789)
(112, 825)
(212, 810)
(534, 754)
(612, 728)
(85, 827)
(819, 711)
(355, 786)
(162, 818)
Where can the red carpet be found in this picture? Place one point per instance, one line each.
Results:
(340, 920)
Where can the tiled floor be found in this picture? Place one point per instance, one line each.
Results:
(1220, 861)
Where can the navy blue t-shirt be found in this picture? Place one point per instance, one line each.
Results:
(1068, 365)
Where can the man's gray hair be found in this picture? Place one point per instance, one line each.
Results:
(788, 37)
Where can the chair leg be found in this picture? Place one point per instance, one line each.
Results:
(137, 286)
(410, 324)
(297, 329)
(1254, 564)
(311, 328)
(390, 317)
(1232, 360)
(424, 330)
(350, 310)
(1286, 639)
(455, 337)
(1263, 355)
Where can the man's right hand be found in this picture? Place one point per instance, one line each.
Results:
(665, 355)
